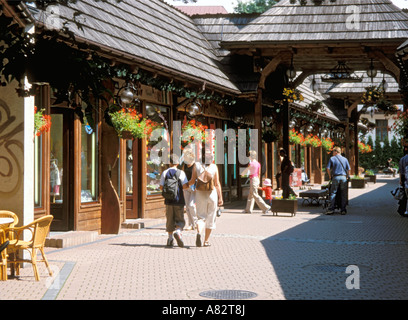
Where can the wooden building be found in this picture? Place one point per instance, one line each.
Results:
(235, 66)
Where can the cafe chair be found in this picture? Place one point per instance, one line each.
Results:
(39, 230)
(3, 256)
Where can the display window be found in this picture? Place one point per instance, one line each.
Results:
(157, 148)
(89, 161)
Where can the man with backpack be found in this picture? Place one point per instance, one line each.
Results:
(172, 183)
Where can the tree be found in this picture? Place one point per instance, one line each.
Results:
(254, 6)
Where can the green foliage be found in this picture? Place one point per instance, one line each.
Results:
(381, 152)
(254, 6)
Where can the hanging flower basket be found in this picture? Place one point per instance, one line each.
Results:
(372, 95)
(291, 95)
(269, 136)
(192, 131)
(129, 124)
(295, 137)
(312, 140)
(364, 148)
(386, 106)
(42, 122)
(315, 106)
(327, 144)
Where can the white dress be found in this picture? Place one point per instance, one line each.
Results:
(206, 201)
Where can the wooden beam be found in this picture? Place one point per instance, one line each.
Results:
(272, 65)
(299, 80)
(388, 64)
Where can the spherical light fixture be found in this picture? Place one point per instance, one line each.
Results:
(194, 109)
(371, 72)
(150, 110)
(127, 96)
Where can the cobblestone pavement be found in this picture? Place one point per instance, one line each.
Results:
(361, 255)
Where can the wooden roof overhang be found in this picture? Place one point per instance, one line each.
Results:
(17, 11)
(318, 36)
(319, 58)
(154, 42)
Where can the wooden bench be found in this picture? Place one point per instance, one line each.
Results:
(313, 196)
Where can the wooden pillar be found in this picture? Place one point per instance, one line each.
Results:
(356, 146)
(285, 126)
(110, 213)
(258, 122)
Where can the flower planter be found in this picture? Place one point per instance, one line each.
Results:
(357, 183)
(284, 205)
(371, 178)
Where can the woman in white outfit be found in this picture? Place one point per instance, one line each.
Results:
(189, 193)
(207, 202)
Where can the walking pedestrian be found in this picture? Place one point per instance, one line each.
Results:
(287, 169)
(172, 182)
(267, 189)
(389, 167)
(403, 172)
(208, 197)
(254, 169)
(189, 193)
(338, 169)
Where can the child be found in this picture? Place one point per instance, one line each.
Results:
(267, 188)
(175, 207)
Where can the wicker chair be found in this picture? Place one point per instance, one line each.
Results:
(39, 229)
(3, 255)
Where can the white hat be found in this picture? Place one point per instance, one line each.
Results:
(267, 182)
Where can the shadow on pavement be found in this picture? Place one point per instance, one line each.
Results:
(311, 259)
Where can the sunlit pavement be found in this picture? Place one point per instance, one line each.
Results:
(361, 255)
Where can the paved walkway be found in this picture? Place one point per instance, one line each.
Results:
(362, 255)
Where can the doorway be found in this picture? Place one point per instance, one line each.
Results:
(61, 169)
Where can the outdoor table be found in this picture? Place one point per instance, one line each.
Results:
(313, 195)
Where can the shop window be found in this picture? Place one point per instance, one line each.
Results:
(38, 171)
(155, 166)
(57, 158)
(89, 161)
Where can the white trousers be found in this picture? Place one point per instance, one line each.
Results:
(206, 204)
(253, 196)
(189, 198)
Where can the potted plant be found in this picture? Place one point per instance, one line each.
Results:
(370, 175)
(289, 205)
(357, 182)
